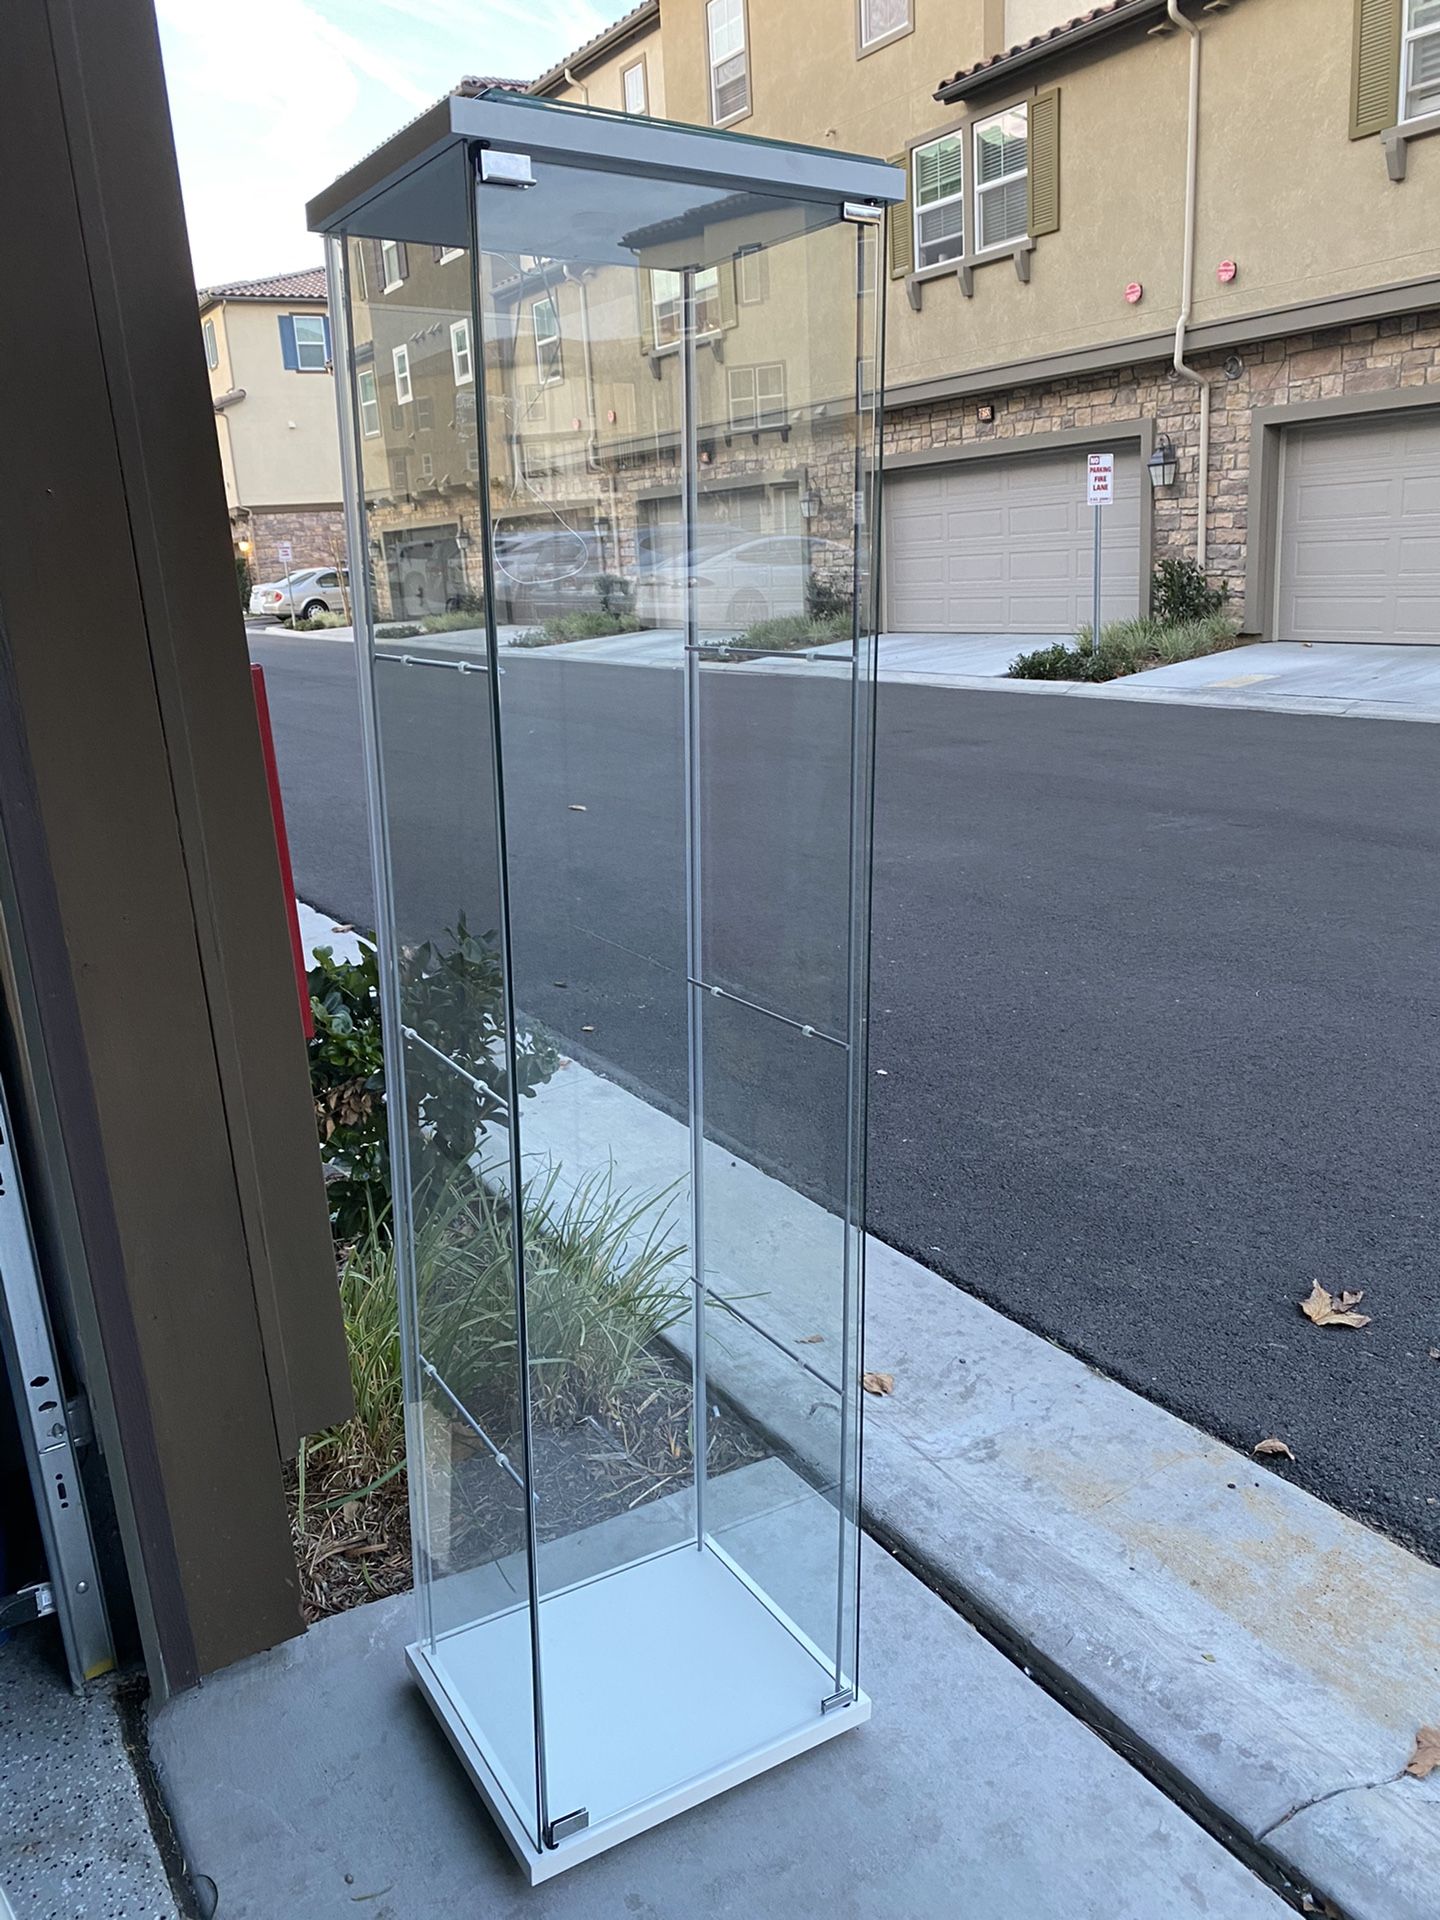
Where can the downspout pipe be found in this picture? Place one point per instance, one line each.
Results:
(1187, 282)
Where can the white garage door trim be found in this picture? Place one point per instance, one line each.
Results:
(1002, 543)
(1358, 536)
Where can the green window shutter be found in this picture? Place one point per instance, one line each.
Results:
(902, 226)
(1375, 67)
(1044, 175)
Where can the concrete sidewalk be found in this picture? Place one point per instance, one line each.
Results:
(1273, 1658)
(312, 1783)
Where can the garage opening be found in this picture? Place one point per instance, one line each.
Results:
(1004, 546)
(1360, 531)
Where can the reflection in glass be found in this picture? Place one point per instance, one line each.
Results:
(614, 465)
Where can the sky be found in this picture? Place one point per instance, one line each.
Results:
(273, 99)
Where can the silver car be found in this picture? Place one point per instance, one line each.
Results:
(308, 590)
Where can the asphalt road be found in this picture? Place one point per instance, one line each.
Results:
(1156, 993)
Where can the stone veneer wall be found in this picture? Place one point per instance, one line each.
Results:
(316, 535)
(1369, 357)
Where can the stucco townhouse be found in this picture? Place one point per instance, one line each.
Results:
(1205, 236)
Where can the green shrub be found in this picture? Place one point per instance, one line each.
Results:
(824, 600)
(616, 594)
(457, 620)
(577, 626)
(320, 620)
(792, 632)
(1126, 646)
(452, 993)
(402, 632)
(1180, 594)
(244, 579)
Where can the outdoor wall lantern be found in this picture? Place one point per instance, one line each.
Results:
(1161, 464)
(624, 975)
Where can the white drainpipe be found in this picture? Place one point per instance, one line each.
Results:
(1187, 279)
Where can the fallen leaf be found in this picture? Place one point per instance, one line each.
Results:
(878, 1382)
(809, 1339)
(1325, 1311)
(1426, 1757)
(1272, 1450)
(1435, 1353)
(575, 807)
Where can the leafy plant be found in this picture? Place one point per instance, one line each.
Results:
(603, 1279)
(1126, 646)
(347, 1082)
(577, 626)
(792, 632)
(1180, 594)
(452, 992)
(616, 594)
(244, 579)
(825, 600)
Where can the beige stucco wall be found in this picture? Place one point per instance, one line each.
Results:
(279, 445)
(600, 85)
(1283, 191)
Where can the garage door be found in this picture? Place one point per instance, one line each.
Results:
(1004, 546)
(1360, 531)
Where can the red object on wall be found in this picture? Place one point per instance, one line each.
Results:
(1226, 272)
(282, 846)
(1134, 292)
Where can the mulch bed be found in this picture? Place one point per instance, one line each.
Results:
(356, 1547)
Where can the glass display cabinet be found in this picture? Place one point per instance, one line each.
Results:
(609, 411)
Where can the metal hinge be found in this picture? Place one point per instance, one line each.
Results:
(844, 1698)
(499, 169)
(567, 1824)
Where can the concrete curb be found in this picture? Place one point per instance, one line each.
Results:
(1272, 1658)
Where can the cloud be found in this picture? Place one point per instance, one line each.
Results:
(272, 99)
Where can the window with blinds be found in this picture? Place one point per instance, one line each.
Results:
(1001, 164)
(1420, 60)
(938, 185)
(729, 61)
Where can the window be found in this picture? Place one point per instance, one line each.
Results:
(212, 349)
(729, 62)
(460, 352)
(752, 276)
(444, 255)
(1420, 60)
(1001, 160)
(632, 83)
(472, 459)
(401, 358)
(369, 402)
(397, 419)
(938, 177)
(392, 264)
(427, 467)
(399, 473)
(312, 342)
(757, 397)
(882, 20)
(667, 293)
(424, 412)
(548, 352)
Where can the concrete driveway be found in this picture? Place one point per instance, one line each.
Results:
(1291, 677)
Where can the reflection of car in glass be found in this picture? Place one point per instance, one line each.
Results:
(306, 590)
(545, 570)
(734, 586)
